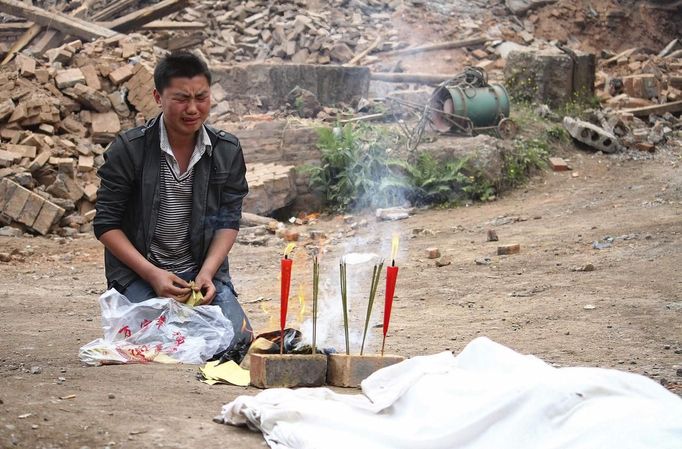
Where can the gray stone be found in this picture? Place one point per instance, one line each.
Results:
(544, 76)
(584, 73)
(591, 135)
(341, 53)
(507, 47)
(8, 231)
(304, 102)
(24, 179)
(519, 7)
(485, 154)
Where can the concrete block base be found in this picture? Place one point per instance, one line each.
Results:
(288, 370)
(350, 370)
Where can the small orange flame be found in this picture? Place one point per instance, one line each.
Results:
(290, 247)
(245, 328)
(271, 317)
(394, 246)
(301, 303)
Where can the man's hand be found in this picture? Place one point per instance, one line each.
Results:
(204, 283)
(168, 285)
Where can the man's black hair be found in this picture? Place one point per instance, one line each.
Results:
(179, 64)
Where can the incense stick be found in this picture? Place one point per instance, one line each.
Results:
(344, 300)
(376, 275)
(316, 281)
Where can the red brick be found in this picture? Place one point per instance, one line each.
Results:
(350, 370)
(121, 74)
(508, 249)
(288, 370)
(432, 253)
(91, 77)
(69, 78)
(558, 164)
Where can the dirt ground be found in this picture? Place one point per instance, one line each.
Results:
(626, 314)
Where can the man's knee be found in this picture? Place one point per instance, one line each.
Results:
(139, 291)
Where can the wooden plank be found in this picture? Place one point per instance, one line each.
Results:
(439, 46)
(49, 39)
(624, 54)
(113, 10)
(22, 42)
(17, 27)
(65, 24)
(137, 19)
(357, 58)
(421, 78)
(675, 106)
(169, 25)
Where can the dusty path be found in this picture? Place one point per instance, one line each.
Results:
(532, 302)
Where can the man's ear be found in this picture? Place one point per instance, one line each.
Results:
(157, 96)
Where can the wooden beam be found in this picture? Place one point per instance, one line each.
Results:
(439, 46)
(420, 78)
(675, 106)
(54, 20)
(22, 42)
(157, 25)
(113, 10)
(137, 19)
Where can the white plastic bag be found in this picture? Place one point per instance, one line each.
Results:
(159, 330)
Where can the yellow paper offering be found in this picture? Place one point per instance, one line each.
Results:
(228, 372)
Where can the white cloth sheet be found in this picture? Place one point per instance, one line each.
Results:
(487, 397)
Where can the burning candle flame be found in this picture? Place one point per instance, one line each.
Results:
(394, 247)
(290, 247)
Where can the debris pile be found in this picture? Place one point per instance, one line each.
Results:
(642, 98)
(287, 30)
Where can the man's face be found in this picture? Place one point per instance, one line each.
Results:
(185, 103)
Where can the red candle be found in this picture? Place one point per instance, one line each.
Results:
(391, 278)
(284, 298)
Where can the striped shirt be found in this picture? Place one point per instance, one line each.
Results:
(171, 248)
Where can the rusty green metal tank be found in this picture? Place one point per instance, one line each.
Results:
(451, 106)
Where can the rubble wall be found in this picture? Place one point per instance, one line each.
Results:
(270, 84)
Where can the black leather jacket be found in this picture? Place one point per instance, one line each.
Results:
(128, 196)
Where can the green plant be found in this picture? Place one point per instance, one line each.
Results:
(578, 106)
(354, 170)
(433, 182)
(478, 188)
(526, 157)
(557, 133)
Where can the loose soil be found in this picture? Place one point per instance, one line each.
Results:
(626, 314)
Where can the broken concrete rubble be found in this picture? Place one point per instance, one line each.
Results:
(591, 135)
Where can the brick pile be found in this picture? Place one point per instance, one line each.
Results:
(57, 114)
(287, 30)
